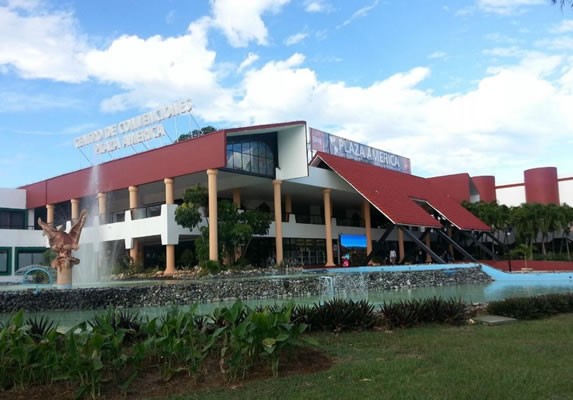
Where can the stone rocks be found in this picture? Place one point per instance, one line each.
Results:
(185, 291)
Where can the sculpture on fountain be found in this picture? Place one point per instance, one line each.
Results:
(63, 243)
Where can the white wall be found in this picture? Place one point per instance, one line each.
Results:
(566, 192)
(292, 153)
(12, 198)
(511, 196)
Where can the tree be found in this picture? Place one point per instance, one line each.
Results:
(196, 133)
(235, 227)
(563, 3)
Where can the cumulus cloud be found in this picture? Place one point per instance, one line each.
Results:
(506, 7)
(241, 21)
(317, 6)
(248, 61)
(296, 38)
(41, 45)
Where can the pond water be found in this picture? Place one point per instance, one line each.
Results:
(505, 286)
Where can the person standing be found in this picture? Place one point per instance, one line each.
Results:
(392, 256)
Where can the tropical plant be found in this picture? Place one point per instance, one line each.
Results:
(235, 227)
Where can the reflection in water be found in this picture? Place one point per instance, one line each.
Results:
(468, 293)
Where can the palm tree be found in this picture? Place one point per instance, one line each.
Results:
(563, 2)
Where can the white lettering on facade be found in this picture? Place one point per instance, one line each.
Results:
(132, 124)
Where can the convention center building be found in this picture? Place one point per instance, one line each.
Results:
(327, 196)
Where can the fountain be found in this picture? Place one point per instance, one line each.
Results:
(63, 243)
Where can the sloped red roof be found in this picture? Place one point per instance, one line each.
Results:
(394, 194)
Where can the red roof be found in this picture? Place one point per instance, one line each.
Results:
(395, 194)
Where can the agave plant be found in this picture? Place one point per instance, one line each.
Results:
(39, 328)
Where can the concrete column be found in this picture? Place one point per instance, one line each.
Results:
(75, 209)
(367, 225)
(428, 242)
(288, 204)
(401, 253)
(133, 204)
(237, 197)
(133, 198)
(102, 203)
(278, 221)
(328, 227)
(50, 214)
(169, 193)
(169, 259)
(450, 247)
(212, 189)
(169, 248)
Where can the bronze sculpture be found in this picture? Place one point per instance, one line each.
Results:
(63, 243)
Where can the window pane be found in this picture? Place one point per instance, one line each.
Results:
(37, 258)
(255, 165)
(3, 261)
(230, 159)
(246, 163)
(4, 219)
(24, 259)
(237, 147)
(270, 167)
(17, 220)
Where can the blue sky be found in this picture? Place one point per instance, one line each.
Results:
(477, 86)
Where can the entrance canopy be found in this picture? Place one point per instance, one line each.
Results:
(404, 199)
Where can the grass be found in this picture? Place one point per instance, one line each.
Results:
(526, 360)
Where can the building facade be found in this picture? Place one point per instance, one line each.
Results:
(315, 201)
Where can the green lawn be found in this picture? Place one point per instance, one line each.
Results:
(525, 360)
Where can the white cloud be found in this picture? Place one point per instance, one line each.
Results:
(241, 22)
(506, 7)
(564, 27)
(317, 6)
(360, 13)
(248, 61)
(41, 45)
(437, 55)
(31, 102)
(296, 38)
(511, 117)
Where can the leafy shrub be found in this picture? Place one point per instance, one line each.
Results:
(211, 266)
(532, 307)
(337, 315)
(405, 314)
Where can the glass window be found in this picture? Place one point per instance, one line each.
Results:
(17, 220)
(246, 163)
(4, 219)
(26, 258)
(4, 267)
(253, 154)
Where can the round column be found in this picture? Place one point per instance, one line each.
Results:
(213, 221)
(328, 227)
(169, 192)
(102, 203)
(237, 197)
(133, 204)
(278, 221)
(401, 253)
(169, 248)
(541, 186)
(75, 209)
(367, 226)
(50, 214)
(485, 186)
(428, 243)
